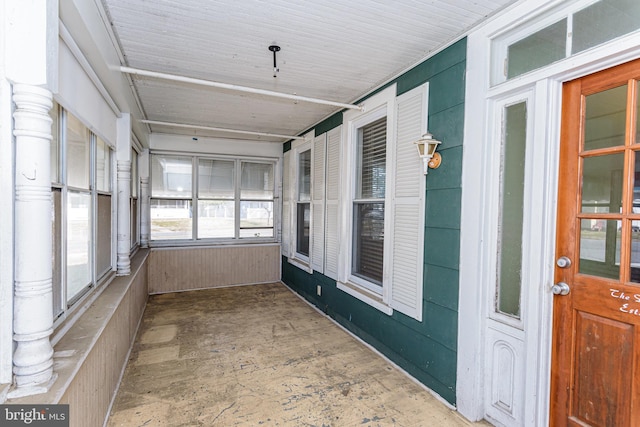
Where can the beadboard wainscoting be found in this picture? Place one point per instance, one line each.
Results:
(183, 269)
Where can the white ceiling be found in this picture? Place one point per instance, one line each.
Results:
(330, 49)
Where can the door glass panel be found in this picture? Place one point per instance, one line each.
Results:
(637, 141)
(600, 248)
(512, 208)
(602, 184)
(635, 224)
(605, 118)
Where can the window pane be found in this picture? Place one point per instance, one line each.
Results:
(602, 184)
(134, 174)
(134, 222)
(216, 218)
(256, 214)
(605, 118)
(103, 166)
(257, 181)
(511, 216)
(216, 179)
(103, 246)
(170, 176)
(78, 242)
(604, 20)
(372, 154)
(56, 258)
(600, 248)
(55, 143)
(302, 232)
(304, 176)
(368, 239)
(77, 140)
(170, 219)
(537, 50)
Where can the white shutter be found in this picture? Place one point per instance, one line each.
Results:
(407, 206)
(317, 203)
(286, 204)
(334, 137)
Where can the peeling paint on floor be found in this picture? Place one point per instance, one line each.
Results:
(258, 355)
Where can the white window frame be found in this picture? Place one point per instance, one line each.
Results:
(294, 257)
(238, 161)
(380, 105)
(296, 253)
(63, 307)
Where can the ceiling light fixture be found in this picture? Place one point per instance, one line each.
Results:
(274, 48)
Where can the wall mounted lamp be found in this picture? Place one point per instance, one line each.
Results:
(427, 151)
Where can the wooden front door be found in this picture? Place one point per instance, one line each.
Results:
(596, 329)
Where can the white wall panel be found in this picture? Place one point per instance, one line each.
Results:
(79, 95)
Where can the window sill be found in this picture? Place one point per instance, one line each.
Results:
(365, 296)
(301, 264)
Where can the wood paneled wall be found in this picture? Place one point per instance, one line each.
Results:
(182, 269)
(92, 388)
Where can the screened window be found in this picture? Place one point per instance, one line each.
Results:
(369, 204)
(233, 198)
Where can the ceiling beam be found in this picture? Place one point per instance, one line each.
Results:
(201, 82)
(244, 132)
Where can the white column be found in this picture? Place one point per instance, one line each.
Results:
(124, 222)
(123, 155)
(145, 193)
(144, 212)
(33, 288)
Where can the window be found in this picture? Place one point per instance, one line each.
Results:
(369, 201)
(303, 219)
(171, 197)
(303, 209)
(256, 199)
(233, 198)
(216, 199)
(81, 186)
(381, 205)
(561, 34)
(514, 144)
(133, 204)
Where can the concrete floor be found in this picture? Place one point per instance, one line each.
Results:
(258, 355)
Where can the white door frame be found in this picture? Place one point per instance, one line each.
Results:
(480, 213)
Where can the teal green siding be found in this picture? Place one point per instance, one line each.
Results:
(427, 349)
